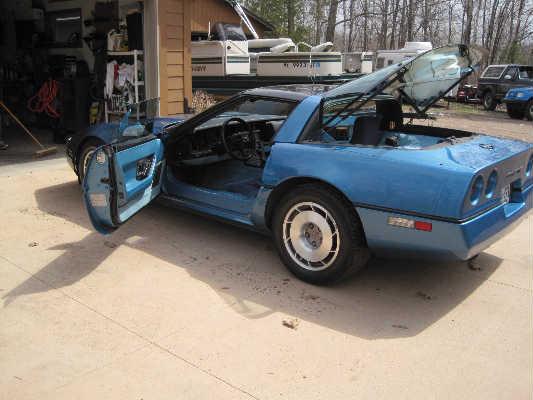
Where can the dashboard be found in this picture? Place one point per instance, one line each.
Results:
(205, 145)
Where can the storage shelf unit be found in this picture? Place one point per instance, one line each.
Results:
(135, 54)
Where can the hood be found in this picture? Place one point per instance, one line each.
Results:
(419, 82)
(526, 90)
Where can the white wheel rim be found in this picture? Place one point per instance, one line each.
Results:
(311, 236)
(86, 160)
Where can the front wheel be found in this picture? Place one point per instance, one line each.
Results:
(318, 235)
(85, 155)
(529, 110)
(489, 103)
(515, 112)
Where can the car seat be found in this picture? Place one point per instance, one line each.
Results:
(391, 114)
(367, 130)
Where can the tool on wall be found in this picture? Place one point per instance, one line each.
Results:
(39, 153)
(44, 99)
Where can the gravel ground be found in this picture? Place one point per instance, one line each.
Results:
(474, 118)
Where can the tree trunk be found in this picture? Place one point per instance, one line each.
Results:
(411, 21)
(332, 20)
(467, 26)
(318, 20)
(392, 43)
(290, 17)
(365, 25)
(384, 25)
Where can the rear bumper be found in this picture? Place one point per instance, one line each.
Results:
(447, 240)
(69, 150)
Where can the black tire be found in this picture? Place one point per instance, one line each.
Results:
(515, 112)
(529, 110)
(88, 147)
(351, 252)
(489, 102)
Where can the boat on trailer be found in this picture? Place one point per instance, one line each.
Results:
(228, 62)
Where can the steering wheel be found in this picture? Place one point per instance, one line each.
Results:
(240, 145)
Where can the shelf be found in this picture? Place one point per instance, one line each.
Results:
(135, 56)
(125, 53)
(116, 112)
(133, 113)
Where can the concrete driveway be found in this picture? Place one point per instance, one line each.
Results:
(175, 306)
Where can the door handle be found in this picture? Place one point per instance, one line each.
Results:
(144, 167)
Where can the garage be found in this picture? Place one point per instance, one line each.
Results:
(69, 64)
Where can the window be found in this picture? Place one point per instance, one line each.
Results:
(512, 72)
(64, 28)
(262, 107)
(493, 72)
(525, 73)
(380, 63)
(339, 131)
(253, 109)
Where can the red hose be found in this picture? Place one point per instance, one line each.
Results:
(43, 99)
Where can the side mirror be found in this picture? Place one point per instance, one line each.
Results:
(507, 77)
(134, 131)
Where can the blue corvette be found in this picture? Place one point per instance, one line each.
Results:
(333, 174)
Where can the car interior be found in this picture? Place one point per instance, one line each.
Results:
(228, 151)
(380, 123)
(223, 153)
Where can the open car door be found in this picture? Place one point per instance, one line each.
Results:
(124, 176)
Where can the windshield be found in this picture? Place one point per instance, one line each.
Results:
(365, 83)
(252, 109)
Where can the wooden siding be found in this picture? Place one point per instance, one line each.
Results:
(175, 80)
(205, 11)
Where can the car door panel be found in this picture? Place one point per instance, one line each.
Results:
(121, 179)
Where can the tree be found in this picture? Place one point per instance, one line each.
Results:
(503, 27)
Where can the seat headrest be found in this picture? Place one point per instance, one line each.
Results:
(322, 47)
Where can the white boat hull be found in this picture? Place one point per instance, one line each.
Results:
(219, 58)
(297, 64)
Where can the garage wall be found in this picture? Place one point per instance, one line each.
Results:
(87, 6)
(175, 81)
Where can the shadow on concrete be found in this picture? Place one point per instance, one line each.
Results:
(22, 148)
(386, 300)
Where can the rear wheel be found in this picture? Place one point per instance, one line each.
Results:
(515, 112)
(318, 235)
(529, 110)
(489, 103)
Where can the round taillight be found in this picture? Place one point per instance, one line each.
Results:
(477, 189)
(529, 166)
(492, 182)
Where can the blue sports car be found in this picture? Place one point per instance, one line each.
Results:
(334, 174)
